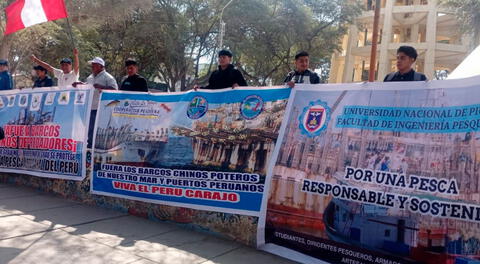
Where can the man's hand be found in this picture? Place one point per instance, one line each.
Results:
(235, 85)
(98, 86)
(75, 51)
(291, 84)
(196, 87)
(77, 83)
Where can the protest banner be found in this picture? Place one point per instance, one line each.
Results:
(202, 150)
(376, 173)
(45, 132)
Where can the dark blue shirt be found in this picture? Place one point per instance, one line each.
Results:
(6, 81)
(45, 82)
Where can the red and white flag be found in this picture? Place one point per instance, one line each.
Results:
(26, 13)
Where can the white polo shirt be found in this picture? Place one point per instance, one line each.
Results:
(65, 79)
(104, 79)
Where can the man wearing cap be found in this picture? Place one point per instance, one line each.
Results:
(226, 76)
(6, 80)
(43, 80)
(100, 80)
(133, 81)
(66, 76)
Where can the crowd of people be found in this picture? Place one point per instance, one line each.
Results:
(225, 76)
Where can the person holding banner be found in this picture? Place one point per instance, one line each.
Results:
(301, 74)
(226, 76)
(100, 79)
(133, 81)
(65, 75)
(406, 57)
(6, 80)
(43, 80)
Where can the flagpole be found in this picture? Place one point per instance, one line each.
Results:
(70, 32)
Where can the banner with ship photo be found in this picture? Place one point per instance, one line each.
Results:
(45, 132)
(204, 150)
(377, 173)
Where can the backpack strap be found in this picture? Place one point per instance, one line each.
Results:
(390, 76)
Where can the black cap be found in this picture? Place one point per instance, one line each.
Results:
(225, 53)
(129, 62)
(3, 62)
(39, 68)
(66, 60)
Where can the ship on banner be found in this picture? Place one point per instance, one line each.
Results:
(45, 132)
(204, 150)
(377, 173)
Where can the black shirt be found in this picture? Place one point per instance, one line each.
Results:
(45, 82)
(134, 83)
(307, 76)
(407, 77)
(225, 78)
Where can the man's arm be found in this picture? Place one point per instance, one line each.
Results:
(76, 63)
(41, 63)
(240, 80)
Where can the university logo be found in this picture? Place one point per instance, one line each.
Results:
(2, 104)
(197, 107)
(251, 107)
(80, 97)
(314, 118)
(50, 99)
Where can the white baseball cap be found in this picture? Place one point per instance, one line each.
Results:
(97, 60)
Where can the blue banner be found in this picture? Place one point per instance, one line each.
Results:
(205, 150)
(45, 131)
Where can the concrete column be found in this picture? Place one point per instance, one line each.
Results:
(414, 36)
(349, 58)
(384, 58)
(431, 39)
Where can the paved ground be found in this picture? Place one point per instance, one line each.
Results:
(40, 228)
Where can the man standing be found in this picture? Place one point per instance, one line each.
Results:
(6, 80)
(226, 76)
(133, 81)
(100, 80)
(301, 74)
(66, 76)
(43, 80)
(406, 57)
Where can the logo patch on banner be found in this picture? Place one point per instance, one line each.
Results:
(251, 107)
(36, 101)
(314, 118)
(23, 102)
(2, 103)
(11, 100)
(64, 98)
(50, 98)
(197, 107)
(80, 97)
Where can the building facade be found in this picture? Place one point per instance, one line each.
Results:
(423, 24)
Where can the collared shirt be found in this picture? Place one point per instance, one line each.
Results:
(6, 81)
(65, 79)
(45, 82)
(225, 78)
(406, 77)
(307, 77)
(134, 83)
(104, 79)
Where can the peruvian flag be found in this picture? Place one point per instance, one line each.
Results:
(25, 13)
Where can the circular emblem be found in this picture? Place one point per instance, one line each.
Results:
(197, 107)
(314, 118)
(251, 107)
(23, 100)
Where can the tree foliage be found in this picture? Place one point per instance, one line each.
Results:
(175, 41)
(468, 14)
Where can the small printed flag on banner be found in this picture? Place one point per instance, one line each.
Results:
(25, 13)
